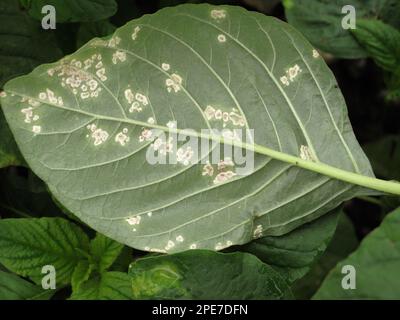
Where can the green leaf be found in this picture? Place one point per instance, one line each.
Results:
(24, 44)
(343, 243)
(90, 30)
(13, 287)
(27, 245)
(321, 22)
(293, 254)
(384, 154)
(81, 274)
(376, 262)
(83, 154)
(381, 41)
(104, 251)
(108, 286)
(73, 10)
(202, 274)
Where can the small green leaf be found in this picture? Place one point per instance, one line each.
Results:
(377, 265)
(73, 10)
(13, 287)
(381, 41)
(27, 245)
(202, 274)
(9, 152)
(90, 30)
(81, 273)
(108, 286)
(104, 251)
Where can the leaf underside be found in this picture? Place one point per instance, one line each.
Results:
(181, 60)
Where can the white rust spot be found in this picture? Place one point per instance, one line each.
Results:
(179, 238)
(151, 120)
(165, 66)
(122, 137)
(146, 135)
(224, 176)
(133, 220)
(170, 245)
(218, 14)
(118, 56)
(315, 53)
(135, 32)
(149, 214)
(99, 135)
(184, 155)
(36, 129)
(3, 94)
(193, 246)
(258, 232)
(221, 38)
(290, 75)
(174, 83)
(306, 153)
(208, 169)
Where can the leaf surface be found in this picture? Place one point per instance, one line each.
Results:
(95, 110)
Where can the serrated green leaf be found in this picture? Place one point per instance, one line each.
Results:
(108, 286)
(81, 274)
(90, 30)
(376, 262)
(104, 251)
(293, 254)
(381, 41)
(237, 62)
(27, 245)
(13, 287)
(321, 22)
(73, 10)
(202, 274)
(24, 44)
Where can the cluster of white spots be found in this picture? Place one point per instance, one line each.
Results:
(151, 120)
(315, 53)
(220, 245)
(171, 124)
(179, 238)
(75, 75)
(118, 56)
(99, 135)
(306, 153)
(162, 146)
(291, 74)
(149, 214)
(193, 246)
(165, 66)
(224, 176)
(170, 245)
(184, 155)
(36, 129)
(218, 14)
(135, 32)
(29, 116)
(221, 38)
(50, 96)
(231, 135)
(257, 233)
(114, 41)
(137, 101)
(146, 135)
(147, 248)
(217, 114)
(208, 169)
(122, 137)
(3, 94)
(223, 164)
(133, 220)
(174, 83)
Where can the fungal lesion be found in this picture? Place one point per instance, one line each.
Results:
(135, 32)
(290, 75)
(222, 172)
(232, 117)
(137, 101)
(118, 56)
(258, 231)
(78, 76)
(122, 137)
(98, 135)
(218, 14)
(307, 154)
(174, 83)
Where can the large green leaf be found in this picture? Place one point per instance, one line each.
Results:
(24, 44)
(202, 274)
(321, 22)
(73, 10)
(13, 287)
(261, 72)
(90, 30)
(377, 265)
(27, 245)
